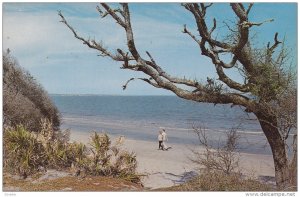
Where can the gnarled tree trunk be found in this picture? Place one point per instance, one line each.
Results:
(269, 126)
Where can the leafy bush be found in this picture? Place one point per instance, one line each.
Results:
(126, 165)
(100, 161)
(110, 160)
(23, 153)
(57, 148)
(26, 153)
(24, 100)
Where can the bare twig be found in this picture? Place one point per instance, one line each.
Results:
(92, 44)
(249, 8)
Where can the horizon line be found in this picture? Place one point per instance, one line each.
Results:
(95, 94)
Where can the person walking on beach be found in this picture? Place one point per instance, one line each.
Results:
(164, 139)
(160, 140)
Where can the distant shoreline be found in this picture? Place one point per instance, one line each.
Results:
(55, 94)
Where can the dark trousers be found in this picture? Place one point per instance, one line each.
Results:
(160, 145)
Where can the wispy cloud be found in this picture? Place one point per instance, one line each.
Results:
(64, 65)
(61, 63)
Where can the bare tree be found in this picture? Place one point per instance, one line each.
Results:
(265, 81)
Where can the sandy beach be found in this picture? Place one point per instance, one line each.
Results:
(168, 168)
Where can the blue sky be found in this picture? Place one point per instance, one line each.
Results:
(63, 65)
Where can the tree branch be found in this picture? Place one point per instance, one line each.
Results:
(270, 50)
(248, 24)
(149, 81)
(191, 35)
(241, 50)
(92, 44)
(113, 14)
(162, 73)
(157, 76)
(202, 28)
(213, 28)
(229, 28)
(229, 82)
(129, 34)
(276, 42)
(125, 85)
(249, 8)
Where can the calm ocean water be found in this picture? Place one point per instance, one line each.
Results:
(140, 117)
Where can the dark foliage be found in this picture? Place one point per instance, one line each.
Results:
(24, 99)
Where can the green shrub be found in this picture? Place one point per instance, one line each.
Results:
(23, 153)
(110, 160)
(56, 145)
(27, 152)
(101, 157)
(126, 165)
(79, 152)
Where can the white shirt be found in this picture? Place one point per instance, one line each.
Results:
(164, 136)
(160, 137)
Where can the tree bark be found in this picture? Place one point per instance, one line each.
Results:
(269, 126)
(293, 164)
